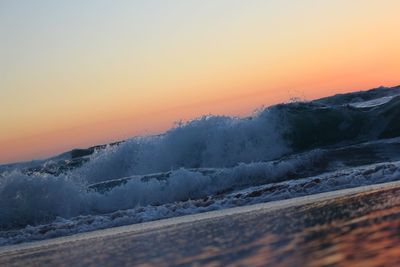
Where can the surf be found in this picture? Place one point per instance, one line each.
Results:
(210, 163)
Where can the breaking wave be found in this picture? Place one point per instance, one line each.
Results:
(211, 141)
(209, 163)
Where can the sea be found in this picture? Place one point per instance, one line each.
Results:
(211, 163)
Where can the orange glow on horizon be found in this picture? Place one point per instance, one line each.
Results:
(131, 70)
(106, 131)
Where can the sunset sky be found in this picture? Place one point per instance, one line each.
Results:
(80, 73)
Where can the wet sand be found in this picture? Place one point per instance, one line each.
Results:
(352, 227)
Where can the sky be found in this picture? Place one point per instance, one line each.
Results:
(80, 73)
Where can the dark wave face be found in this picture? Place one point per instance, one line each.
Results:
(312, 125)
(210, 163)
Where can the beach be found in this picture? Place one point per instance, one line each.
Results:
(358, 226)
(200, 133)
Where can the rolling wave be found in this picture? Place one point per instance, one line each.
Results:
(209, 163)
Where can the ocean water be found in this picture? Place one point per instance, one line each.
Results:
(210, 163)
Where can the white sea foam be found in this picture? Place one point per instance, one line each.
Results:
(375, 173)
(206, 142)
(249, 160)
(373, 102)
(41, 198)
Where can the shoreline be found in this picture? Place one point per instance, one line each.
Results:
(153, 225)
